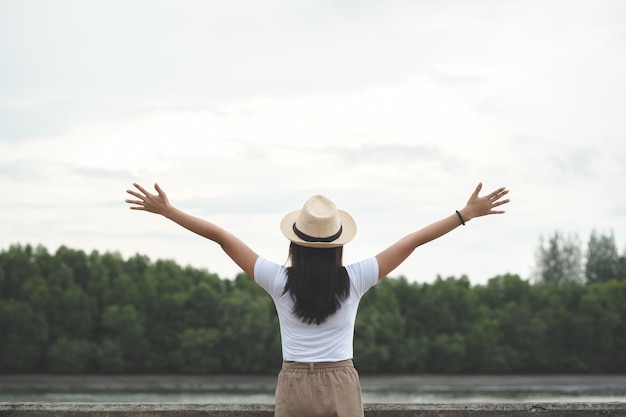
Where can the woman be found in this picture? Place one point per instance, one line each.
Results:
(316, 297)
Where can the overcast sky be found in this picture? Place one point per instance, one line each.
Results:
(241, 110)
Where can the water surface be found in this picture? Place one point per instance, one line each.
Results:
(260, 389)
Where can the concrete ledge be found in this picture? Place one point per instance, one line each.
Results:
(265, 410)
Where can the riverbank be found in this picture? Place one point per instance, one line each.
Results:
(264, 410)
(268, 382)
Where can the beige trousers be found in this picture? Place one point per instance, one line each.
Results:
(320, 389)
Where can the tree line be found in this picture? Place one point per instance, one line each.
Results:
(74, 312)
(562, 258)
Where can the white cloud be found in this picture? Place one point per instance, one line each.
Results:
(394, 110)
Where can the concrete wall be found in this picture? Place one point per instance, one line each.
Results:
(264, 410)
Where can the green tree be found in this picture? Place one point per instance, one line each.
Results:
(109, 356)
(615, 301)
(560, 260)
(248, 329)
(603, 261)
(200, 351)
(448, 353)
(72, 313)
(124, 325)
(501, 337)
(484, 351)
(24, 337)
(19, 264)
(450, 308)
(380, 339)
(558, 306)
(621, 269)
(69, 356)
(202, 307)
(78, 262)
(416, 343)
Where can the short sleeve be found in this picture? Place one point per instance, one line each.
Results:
(363, 275)
(270, 276)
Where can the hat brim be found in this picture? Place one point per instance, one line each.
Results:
(348, 231)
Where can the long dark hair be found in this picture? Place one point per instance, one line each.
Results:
(317, 281)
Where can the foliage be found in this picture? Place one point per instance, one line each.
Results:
(72, 312)
(560, 259)
(603, 260)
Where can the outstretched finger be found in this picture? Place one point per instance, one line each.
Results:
(134, 193)
(498, 193)
(499, 203)
(477, 190)
(140, 188)
(158, 189)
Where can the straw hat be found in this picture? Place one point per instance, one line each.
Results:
(319, 224)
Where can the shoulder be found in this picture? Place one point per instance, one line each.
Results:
(363, 274)
(269, 275)
(364, 267)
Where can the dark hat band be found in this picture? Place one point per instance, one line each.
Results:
(308, 238)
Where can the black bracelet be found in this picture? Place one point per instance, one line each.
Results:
(458, 213)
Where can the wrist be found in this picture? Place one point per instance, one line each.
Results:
(464, 215)
(169, 212)
(461, 219)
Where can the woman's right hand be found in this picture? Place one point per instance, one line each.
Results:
(153, 203)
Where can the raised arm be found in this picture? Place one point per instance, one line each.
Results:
(476, 206)
(158, 203)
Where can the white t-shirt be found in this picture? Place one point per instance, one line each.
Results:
(330, 341)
